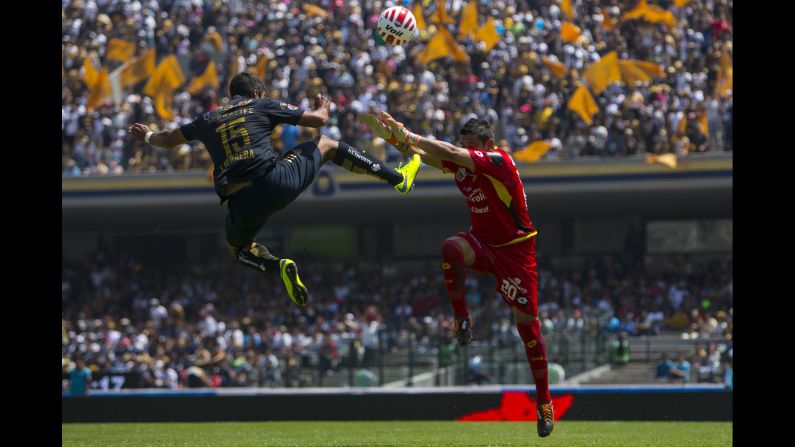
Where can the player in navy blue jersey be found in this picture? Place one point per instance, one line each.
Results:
(256, 179)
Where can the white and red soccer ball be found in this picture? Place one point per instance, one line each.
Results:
(397, 25)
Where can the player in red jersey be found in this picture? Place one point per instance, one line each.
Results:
(500, 241)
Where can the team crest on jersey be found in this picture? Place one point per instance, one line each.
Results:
(284, 105)
(461, 174)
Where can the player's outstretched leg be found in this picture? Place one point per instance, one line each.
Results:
(530, 330)
(258, 257)
(360, 162)
(454, 272)
(409, 170)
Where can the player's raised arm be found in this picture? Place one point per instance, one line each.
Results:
(380, 129)
(319, 116)
(434, 148)
(165, 138)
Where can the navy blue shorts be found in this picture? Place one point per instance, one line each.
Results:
(251, 207)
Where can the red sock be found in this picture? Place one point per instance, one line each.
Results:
(454, 272)
(536, 351)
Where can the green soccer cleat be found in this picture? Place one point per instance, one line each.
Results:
(408, 171)
(295, 288)
(546, 419)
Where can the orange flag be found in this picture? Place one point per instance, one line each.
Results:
(609, 23)
(169, 72)
(488, 34)
(565, 6)
(569, 32)
(90, 73)
(702, 123)
(668, 159)
(603, 73)
(442, 45)
(164, 101)
(533, 151)
(440, 15)
(261, 68)
(207, 79)
(100, 90)
(140, 69)
(634, 71)
(655, 14)
(582, 102)
(557, 68)
(469, 20)
(317, 11)
(120, 50)
(418, 16)
(652, 14)
(637, 12)
(725, 80)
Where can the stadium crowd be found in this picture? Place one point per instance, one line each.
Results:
(330, 49)
(217, 324)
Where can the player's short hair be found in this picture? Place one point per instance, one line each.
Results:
(478, 127)
(244, 84)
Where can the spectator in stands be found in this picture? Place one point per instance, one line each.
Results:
(289, 47)
(79, 378)
(663, 369)
(681, 369)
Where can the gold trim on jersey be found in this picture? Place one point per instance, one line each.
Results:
(517, 240)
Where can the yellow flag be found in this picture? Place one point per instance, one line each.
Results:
(418, 16)
(207, 79)
(582, 102)
(140, 69)
(164, 101)
(668, 159)
(169, 72)
(652, 14)
(634, 71)
(565, 6)
(100, 90)
(702, 123)
(533, 152)
(216, 39)
(603, 73)
(724, 83)
(120, 50)
(442, 45)
(681, 3)
(637, 12)
(682, 125)
(261, 68)
(90, 74)
(469, 20)
(440, 15)
(655, 14)
(313, 10)
(557, 68)
(488, 33)
(569, 32)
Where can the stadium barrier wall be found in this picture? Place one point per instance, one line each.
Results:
(637, 403)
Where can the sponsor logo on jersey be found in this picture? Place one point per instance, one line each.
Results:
(477, 210)
(284, 105)
(476, 196)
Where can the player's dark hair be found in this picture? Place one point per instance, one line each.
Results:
(244, 84)
(478, 127)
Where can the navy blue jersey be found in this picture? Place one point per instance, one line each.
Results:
(238, 137)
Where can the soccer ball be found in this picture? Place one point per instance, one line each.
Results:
(397, 25)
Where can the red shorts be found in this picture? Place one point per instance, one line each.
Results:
(514, 267)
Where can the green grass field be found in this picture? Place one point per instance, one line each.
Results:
(399, 434)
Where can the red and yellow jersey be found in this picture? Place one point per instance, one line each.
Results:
(495, 195)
